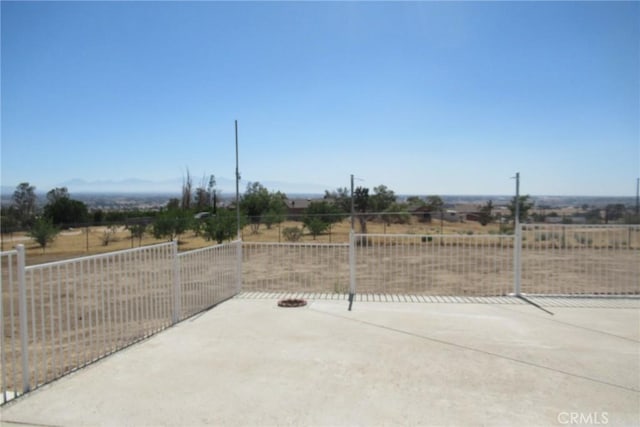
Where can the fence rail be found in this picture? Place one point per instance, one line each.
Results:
(442, 265)
(11, 362)
(207, 277)
(61, 316)
(580, 260)
(295, 267)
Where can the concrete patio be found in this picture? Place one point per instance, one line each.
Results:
(249, 362)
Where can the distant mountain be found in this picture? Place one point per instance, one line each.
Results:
(134, 185)
(129, 185)
(171, 186)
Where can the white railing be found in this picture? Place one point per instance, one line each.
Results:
(444, 265)
(12, 333)
(580, 259)
(83, 309)
(208, 276)
(60, 316)
(295, 267)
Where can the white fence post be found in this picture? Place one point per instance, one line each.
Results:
(517, 258)
(22, 301)
(352, 267)
(177, 303)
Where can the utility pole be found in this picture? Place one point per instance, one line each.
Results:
(517, 215)
(517, 242)
(352, 205)
(237, 186)
(352, 253)
(637, 199)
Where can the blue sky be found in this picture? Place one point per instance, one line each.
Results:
(424, 97)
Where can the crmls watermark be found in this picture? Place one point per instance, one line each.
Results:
(583, 418)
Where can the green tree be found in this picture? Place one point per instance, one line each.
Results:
(381, 199)
(340, 198)
(397, 213)
(292, 234)
(24, 203)
(525, 206)
(316, 226)
(61, 209)
(435, 203)
(8, 225)
(202, 199)
(361, 206)
(486, 213)
(220, 227)
(187, 187)
(275, 213)
(213, 192)
(43, 232)
(256, 201)
(137, 230)
(414, 202)
(57, 194)
(98, 216)
(173, 204)
(171, 224)
(319, 216)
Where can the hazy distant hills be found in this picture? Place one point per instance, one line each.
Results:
(168, 186)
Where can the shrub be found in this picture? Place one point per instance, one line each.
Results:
(292, 234)
(108, 235)
(43, 232)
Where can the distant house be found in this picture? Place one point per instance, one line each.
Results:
(472, 216)
(297, 207)
(425, 214)
(451, 216)
(468, 212)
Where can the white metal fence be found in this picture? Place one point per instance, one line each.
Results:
(208, 276)
(11, 350)
(444, 265)
(295, 267)
(60, 316)
(580, 259)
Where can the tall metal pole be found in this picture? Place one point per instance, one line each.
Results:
(352, 205)
(637, 198)
(352, 253)
(517, 218)
(237, 186)
(517, 242)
